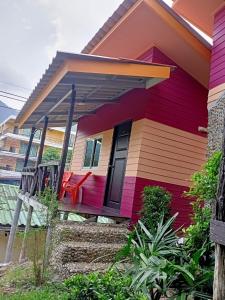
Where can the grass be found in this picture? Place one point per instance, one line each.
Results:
(18, 284)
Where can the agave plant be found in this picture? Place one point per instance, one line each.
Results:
(154, 268)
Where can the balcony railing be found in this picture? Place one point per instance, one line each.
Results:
(35, 180)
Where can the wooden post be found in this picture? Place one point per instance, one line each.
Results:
(219, 272)
(66, 139)
(8, 255)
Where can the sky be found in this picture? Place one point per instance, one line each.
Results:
(33, 30)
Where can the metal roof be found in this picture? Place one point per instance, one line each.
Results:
(8, 197)
(99, 80)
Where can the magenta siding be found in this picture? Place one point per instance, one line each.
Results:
(217, 71)
(179, 203)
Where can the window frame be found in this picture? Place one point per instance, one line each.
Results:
(95, 139)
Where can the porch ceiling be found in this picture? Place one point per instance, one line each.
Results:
(98, 80)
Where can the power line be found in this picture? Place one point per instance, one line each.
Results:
(13, 98)
(15, 85)
(7, 107)
(13, 94)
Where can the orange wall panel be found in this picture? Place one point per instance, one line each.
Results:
(79, 150)
(163, 153)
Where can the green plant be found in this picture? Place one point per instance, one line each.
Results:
(204, 182)
(96, 286)
(49, 199)
(156, 201)
(51, 154)
(154, 267)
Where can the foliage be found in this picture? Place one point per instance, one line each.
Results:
(204, 182)
(154, 267)
(156, 201)
(50, 200)
(197, 234)
(51, 154)
(95, 286)
(161, 267)
(69, 156)
(203, 189)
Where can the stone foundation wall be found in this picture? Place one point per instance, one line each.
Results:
(215, 125)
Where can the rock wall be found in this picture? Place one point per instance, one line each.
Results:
(216, 124)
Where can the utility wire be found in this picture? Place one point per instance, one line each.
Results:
(7, 107)
(13, 98)
(18, 86)
(13, 94)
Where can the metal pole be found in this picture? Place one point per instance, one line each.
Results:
(30, 208)
(27, 228)
(9, 249)
(33, 130)
(8, 255)
(42, 143)
(66, 139)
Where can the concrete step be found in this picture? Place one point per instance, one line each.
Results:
(89, 232)
(84, 268)
(87, 252)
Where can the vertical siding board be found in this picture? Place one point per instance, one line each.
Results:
(217, 75)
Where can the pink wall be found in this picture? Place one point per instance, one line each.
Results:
(217, 69)
(179, 203)
(180, 102)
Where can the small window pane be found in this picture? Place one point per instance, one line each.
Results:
(97, 152)
(88, 153)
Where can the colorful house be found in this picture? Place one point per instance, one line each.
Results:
(139, 95)
(14, 142)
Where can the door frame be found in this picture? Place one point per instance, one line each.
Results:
(109, 171)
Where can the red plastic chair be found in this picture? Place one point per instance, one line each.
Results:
(65, 180)
(74, 188)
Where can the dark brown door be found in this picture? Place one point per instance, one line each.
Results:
(117, 166)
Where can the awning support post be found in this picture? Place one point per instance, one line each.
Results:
(22, 256)
(30, 208)
(8, 255)
(9, 249)
(66, 138)
(33, 130)
(42, 142)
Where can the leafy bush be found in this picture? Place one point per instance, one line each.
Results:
(203, 189)
(204, 182)
(161, 268)
(51, 154)
(95, 286)
(156, 201)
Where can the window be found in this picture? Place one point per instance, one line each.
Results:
(92, 153)
(12, 149)
(33, 150)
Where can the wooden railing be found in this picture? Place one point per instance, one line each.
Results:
(35, 180)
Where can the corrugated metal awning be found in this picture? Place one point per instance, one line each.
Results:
(98, 80)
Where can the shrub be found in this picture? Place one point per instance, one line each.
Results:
(203, 189)
(51, 154)
(96, 286)
(204, 182)
(156, 202)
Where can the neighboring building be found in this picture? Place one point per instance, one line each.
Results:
(14, 141)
